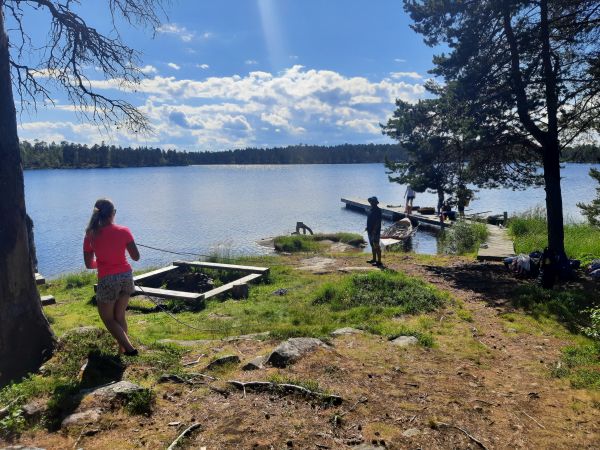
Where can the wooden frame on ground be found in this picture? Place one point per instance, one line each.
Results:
(240, 284)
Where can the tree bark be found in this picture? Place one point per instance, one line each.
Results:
(26, 339)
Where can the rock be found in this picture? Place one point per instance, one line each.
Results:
(88, 416)
(411, 432)
(170, 378)
(33, 410)
(292, 349)
(185, 343)
(405, 341)
(340, 247)
(79, 332)
(256, 363)
(345, 331)
(174, 424)
(227, 359)
(317, 264)
(22, 447)
(368, 447)
(349, 269)
(280, 292)
(121, 389)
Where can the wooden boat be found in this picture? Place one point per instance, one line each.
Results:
(398, 232)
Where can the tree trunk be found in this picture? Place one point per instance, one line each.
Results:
(25, 336)
(554, 209)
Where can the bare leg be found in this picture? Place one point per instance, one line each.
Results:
(377, 252)
(119, 311)
(107, 314)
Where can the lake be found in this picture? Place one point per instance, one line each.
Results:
(201, 208)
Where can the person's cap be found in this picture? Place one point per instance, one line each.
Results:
(373, 200)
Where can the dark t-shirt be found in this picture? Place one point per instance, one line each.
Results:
(374, 220)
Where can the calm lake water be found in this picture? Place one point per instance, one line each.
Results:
(200, 208)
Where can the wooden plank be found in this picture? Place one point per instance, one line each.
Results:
(47, 300)
(229, 286)
(39, 279)
(165, 293)
(499, 245)
(155, 273)
(394, 212)
(219, 266)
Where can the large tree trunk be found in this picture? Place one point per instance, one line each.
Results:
(554, 208)
(25, 335)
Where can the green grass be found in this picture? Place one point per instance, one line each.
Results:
(580, 365)
(582, 241)
(310, 243)
(380, 289)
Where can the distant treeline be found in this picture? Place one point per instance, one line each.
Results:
(588, 153)
(41, 155)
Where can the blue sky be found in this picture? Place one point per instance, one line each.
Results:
(236, 73)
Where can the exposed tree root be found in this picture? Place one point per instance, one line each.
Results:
(286, 389)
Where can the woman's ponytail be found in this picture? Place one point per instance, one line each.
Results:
(103, 211)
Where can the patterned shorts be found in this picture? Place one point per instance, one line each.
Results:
(111, 287)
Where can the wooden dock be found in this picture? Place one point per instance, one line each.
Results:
(499, 245)
(395, 213)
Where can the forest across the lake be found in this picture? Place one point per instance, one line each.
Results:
(41, 155)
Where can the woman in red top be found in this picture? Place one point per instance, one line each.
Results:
(107, 242)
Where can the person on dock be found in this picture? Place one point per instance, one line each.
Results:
(410, 195)
(374, 230)
(104, 248)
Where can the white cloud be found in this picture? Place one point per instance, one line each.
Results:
(413, 75)
(400, 60)
(203, 66)
(295, 105)
(180, 31)
(251, 62)
(207, 35)
(174, 66)
(148, 69)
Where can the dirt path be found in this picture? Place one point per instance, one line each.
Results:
(485, 384)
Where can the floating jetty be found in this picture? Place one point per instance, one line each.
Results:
(498, 246)
(395, 213)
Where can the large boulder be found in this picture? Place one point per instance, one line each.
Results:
(291, 350)
(120, 390)
(81, 418)
(405, 341)
(222, 361)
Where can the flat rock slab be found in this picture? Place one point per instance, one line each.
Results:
(223, 360)
(351, 269)
(185, 343)
(405, 341)
(340, 247)
(317, 264)
(256, 364)
(346, 331)
(291, 350)
(202, 342)
(83, 417)
(115, 390)
(411, 432)
(22, 447)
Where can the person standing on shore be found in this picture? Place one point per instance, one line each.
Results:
(374, 230)
(410, 195)
(104, 248)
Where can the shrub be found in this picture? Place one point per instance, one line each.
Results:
(141, 402)
(464, 237)
(409, 295)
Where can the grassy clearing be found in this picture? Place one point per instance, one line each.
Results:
(311, 243)
(580, 365)
(464, 237)
(582, 241)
